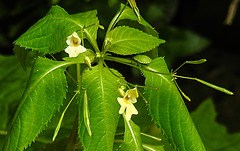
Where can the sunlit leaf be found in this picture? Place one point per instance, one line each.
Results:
(128, 14)
(126, 41)
(142, 59)
(132, 137)
(43, 96)
(49, 34)
(101, 86)
(168, 109)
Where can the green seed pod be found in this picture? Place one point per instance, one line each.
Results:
(88, 61)
(86, 114)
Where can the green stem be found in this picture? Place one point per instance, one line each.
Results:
(207, 84)
(2, 132)
(118, 141)
(91, 40)
(111, 26)
(150, 136)
(183, 94)
(71, 77)
(133, 63)
(79, 76)
(200, 61)
(61, 118)
(73, 137)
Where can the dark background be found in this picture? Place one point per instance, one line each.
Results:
(173, 19)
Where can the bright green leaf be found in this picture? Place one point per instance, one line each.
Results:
(128, 14)
(132, 137)
(90, 18)
(125, 40)
(43, 96)
(148, 147)
(214, 136)
(168, 109)
(101, 85)
(142, 59)
(50, 33)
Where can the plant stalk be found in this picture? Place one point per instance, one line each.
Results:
(73, 137)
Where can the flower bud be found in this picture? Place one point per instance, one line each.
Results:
(88, 61)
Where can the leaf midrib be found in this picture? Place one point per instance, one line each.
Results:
(35, 84)
(103, 97)
(170, 85)
(133, 135)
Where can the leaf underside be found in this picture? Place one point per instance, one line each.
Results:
(168, 109)
(43, 96)
(101, 86)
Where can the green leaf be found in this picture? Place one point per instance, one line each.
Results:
(128, 14)
(21, 54)
(132, 137)
(13, 80)
(89, 16)
(50, 33)
(101, 85)
(43, 96)
(125, 40)
(168, 110)
(148, 147)
(214, 136)
(142, 59)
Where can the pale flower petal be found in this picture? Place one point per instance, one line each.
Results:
(130, 111)
(127, 101)
(128, 116)
(74, 48)
(73, 39)
(131, 95)
(80, 49)
(75, 51)
(123, 105)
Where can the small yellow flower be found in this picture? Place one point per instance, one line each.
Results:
(74, 48)
(127, 101)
